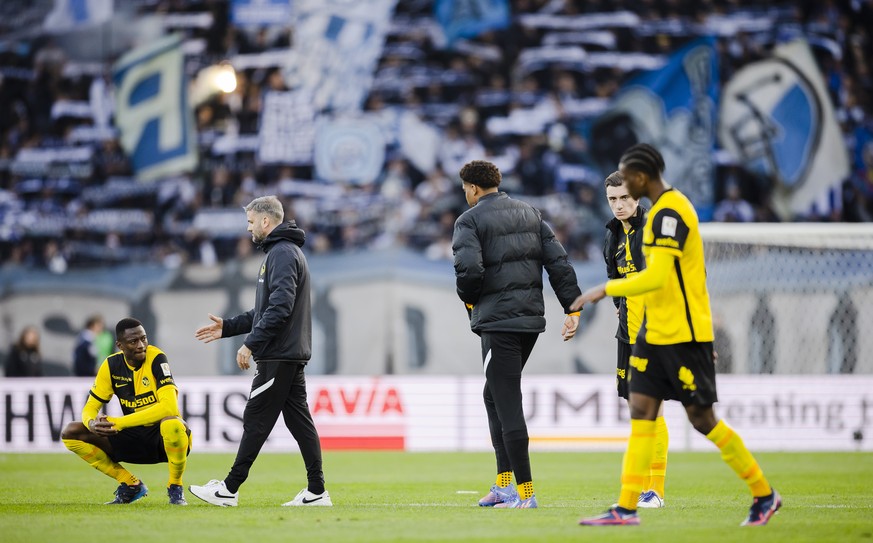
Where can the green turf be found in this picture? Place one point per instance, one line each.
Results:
(383, 497)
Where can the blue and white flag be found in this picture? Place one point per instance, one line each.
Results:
(336, 46)
(469, 18)
(674, 109)
(152, 114)
(75, 14)
(777, 120)
(260, 12)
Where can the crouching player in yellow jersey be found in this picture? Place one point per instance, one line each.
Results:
(151, 430)
(673, 357)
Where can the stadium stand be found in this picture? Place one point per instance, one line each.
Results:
(515, 96)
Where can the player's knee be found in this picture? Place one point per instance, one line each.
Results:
(703, 420)
(173, 430)
(73, 430)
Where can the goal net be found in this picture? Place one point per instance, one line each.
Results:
(791, 298)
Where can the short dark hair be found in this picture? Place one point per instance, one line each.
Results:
(125, 324)
(481, 173)
(644, 158)
(92, 320)
(615, 179)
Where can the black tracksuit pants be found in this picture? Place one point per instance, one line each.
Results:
(504, 355)
(278, 387)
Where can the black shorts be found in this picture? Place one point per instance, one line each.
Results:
(621, 378)
(683, 372)
(141, 445)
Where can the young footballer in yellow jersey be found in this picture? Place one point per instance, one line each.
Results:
(150, 431)
(673, 357)
(623, 254)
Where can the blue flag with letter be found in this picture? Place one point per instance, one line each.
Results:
(674, 109)
(152, 111)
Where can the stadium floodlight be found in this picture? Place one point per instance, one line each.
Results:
(218, 78)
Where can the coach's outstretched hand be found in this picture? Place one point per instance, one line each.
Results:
(210, 332)
(592, 295)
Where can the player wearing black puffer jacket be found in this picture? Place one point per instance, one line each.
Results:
(500, 248)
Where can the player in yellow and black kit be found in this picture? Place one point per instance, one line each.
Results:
(673, 357)
(623, 254)
(151, 430)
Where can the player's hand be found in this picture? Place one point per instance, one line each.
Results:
(242, 357)
(592, 295)
(571, 324)
(210, 332)
(102, 427)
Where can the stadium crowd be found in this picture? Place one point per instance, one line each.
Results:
(504, 96)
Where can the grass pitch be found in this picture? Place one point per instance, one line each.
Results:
(383, 497)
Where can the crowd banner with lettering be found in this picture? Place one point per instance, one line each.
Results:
(287, 128)
(778, 121)
(445, 413)
(153, 114)
(673, 108)
(336, 46)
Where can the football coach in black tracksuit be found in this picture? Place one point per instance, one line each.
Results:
(500, 248)
(279, 339)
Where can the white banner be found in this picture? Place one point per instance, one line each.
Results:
(445, 413)
(287, 128)
(74, 14)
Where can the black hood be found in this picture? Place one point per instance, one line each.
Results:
(288, 231)
(636, 220)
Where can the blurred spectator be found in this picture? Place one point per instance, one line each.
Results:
(25, 359)
(733, 208)
(85, 352)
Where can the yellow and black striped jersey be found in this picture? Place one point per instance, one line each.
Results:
(136, 388)
(628, 268)
(679, 311)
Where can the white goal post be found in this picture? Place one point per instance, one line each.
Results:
(791, 298)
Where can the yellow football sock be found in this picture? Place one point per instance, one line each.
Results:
(525, 490)
(658, 469)
(504, 479)
(100, 461)
(637, 462)
(737, 456)
(176, 445)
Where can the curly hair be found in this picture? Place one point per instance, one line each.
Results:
(481, 173)
(644, 158)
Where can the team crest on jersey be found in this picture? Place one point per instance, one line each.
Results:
(145, 381)
(263, 268)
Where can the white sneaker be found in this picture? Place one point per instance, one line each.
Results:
(308, 499)
(650, 500)
(216, 493)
